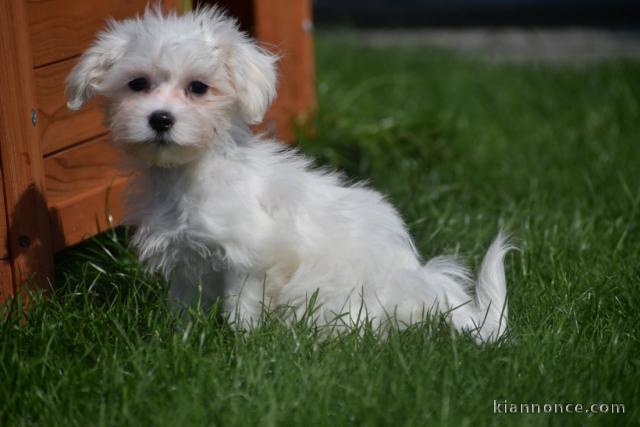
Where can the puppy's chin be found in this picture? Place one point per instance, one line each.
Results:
(163, 154)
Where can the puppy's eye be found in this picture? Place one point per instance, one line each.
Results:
(198, 87)
(139, 84)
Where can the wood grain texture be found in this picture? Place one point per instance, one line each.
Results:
(84, 188)
(4, 226)
(59, 126)
(61, 29)
(286, 27)
(6, 280)
(21, 155)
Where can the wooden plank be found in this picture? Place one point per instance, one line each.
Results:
(286, 27)
(84, 187)
(21, 156)
(4, 227)
(61, 29)
(6, 280)
(59, 126)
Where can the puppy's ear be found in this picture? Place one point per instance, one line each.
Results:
(253, 74)
(85, 78)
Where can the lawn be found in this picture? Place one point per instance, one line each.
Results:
(462, 147)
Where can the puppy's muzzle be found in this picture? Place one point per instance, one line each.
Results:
(161, 121)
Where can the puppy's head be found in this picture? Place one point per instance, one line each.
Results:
(174, 84)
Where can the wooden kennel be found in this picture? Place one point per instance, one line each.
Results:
(61, 182)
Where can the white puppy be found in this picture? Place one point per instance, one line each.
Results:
(224, 214)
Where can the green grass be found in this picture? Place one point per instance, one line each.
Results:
(462, 147)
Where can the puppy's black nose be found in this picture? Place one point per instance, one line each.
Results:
(161, 121)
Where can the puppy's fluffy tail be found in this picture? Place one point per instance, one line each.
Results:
(491, 291)
(483, 313)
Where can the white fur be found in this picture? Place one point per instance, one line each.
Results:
(226, 215)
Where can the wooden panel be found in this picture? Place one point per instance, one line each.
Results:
(21, 156)
(4, 234)
(84, 187)
(61, 29)
(59, 126)
(6, 280)
(286, 27)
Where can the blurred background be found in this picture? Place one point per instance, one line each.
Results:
(503, 29)
(395, 13)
